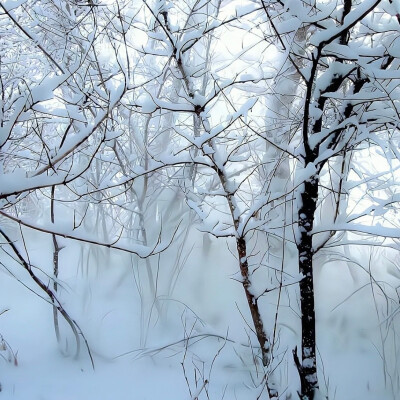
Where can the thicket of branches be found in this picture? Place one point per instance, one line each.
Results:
(273, 125)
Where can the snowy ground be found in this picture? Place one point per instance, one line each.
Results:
(131, 364)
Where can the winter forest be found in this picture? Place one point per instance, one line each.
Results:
(199, 199)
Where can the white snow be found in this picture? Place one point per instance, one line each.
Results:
(151, 176)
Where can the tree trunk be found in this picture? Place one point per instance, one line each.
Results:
(252, 301)
(56, 252)
(308, 367)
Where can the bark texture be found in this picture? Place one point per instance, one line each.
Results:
(252, 302)
(308, 367)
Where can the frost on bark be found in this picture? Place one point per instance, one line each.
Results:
(308, 368)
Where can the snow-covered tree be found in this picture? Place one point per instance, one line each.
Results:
(137, 128)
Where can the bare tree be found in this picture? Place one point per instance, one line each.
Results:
(246, 120)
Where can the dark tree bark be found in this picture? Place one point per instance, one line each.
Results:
(56, 252)
(252, 302)
(308, 367)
